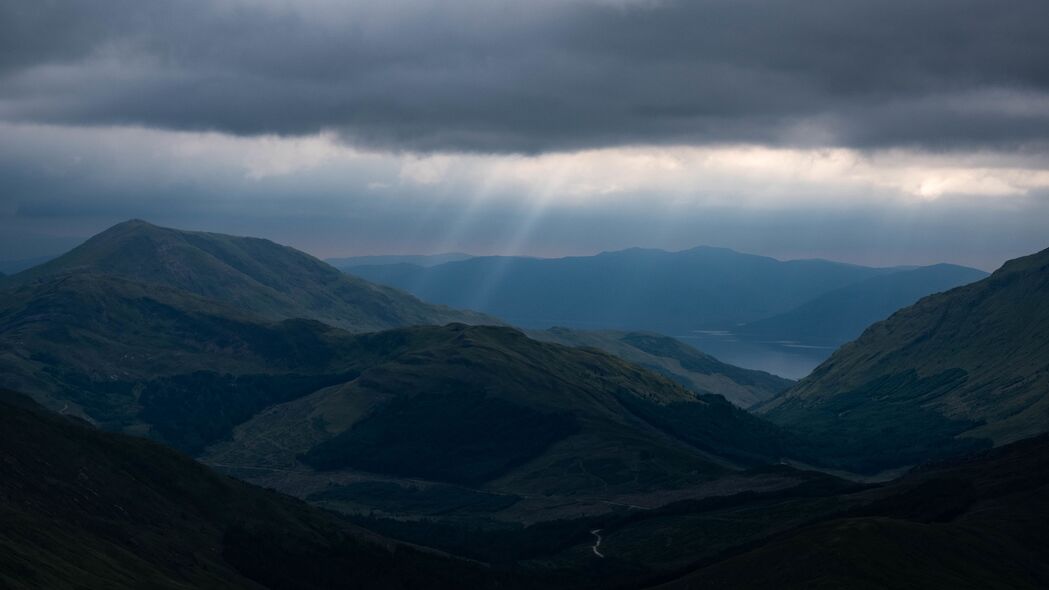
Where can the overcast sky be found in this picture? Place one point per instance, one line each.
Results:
(881, 132)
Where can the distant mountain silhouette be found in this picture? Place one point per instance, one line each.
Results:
(349, 262)
(843, 314)
(637, 289)
(954, 371)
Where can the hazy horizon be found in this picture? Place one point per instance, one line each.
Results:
(874, 260)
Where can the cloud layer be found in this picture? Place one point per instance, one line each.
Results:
(540, 76)
(890, 207)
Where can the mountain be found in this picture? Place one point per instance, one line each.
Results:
(842, 314)
(254, 275)
(490, 409)
(955, 371)
(414, 259)
(677, 361)
(636, 289)
(86, 509)
(483, 408)
(972, 523)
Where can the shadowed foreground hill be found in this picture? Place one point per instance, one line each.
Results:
(85, 509)
(973, 523)
(956, 371)
(251, 274)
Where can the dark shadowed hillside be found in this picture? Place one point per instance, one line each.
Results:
(956, 371)
(251, 274)
(85, 509)
(974, 523)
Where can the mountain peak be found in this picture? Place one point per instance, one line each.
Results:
(255, 275)
(1039, 261)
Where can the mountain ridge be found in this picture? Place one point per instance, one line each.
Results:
(633, 289)
(274, 281)
(969, 366)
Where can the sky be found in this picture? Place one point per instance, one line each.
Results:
(876, 132)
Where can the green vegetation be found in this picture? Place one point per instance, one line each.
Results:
(956, 371)
(193, 372)
(853, 433)
(714, 425)
(193, 410)
(458, 436)
(253, 275)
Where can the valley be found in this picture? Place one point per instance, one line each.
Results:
(549, 456)
(496, 295)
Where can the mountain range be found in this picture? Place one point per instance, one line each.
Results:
(182, 344)
(451, 454)
(675, 292)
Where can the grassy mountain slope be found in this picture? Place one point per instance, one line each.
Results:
(632, 289)
(973, 523)
(677, 361)
(487, 406)
(251, 274)
(118, 352)
(955, 371)
(842, 314)
(85, 509)
(456, 404)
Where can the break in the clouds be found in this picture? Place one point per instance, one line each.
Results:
(544, 75)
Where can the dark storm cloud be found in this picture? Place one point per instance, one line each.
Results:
(530, 77)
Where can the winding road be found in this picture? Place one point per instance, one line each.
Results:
(597, 543)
